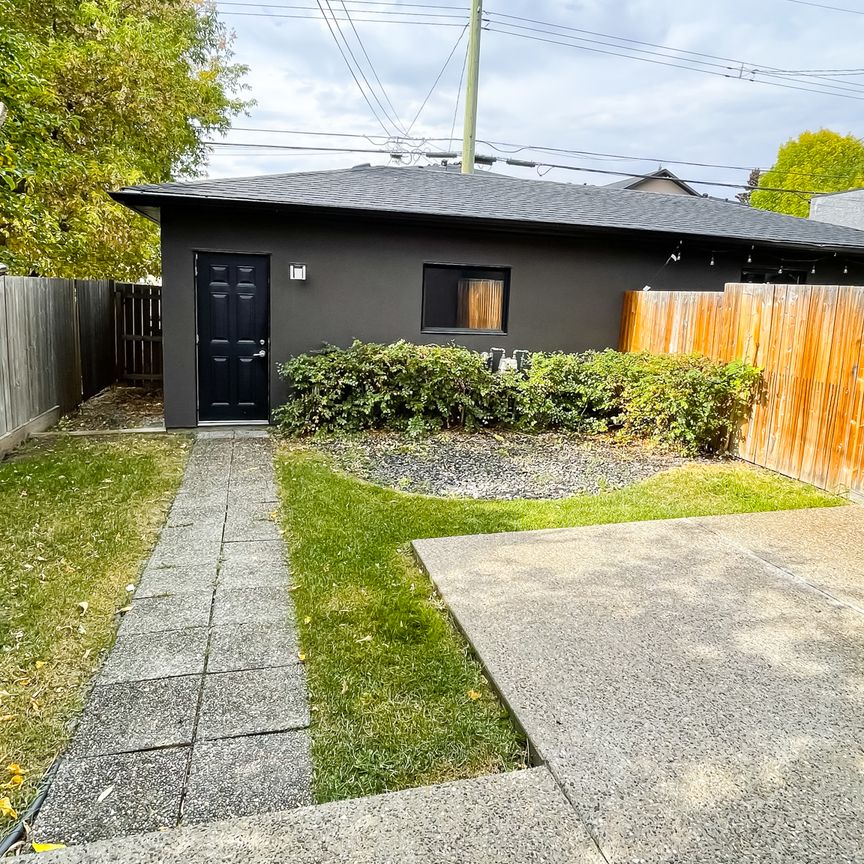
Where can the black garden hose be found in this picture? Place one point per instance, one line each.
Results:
(18, 831)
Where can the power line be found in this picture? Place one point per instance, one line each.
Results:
(823, 6)
(399, 124)
(337, 17)
(437, 79)
(737, 64)
(351, 70)
(513, 148)
(389, 11)
(458, 94)
(396, 123)
(519, 163)
(671, 64)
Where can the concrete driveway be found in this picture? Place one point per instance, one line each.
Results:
(696, 686)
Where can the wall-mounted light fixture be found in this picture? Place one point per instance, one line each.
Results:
(297, 272)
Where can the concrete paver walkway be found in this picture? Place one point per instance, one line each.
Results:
(200, 710)
(521, 818)
(696, 686)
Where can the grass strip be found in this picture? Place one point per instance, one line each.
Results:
(77, 517)
(397, 698)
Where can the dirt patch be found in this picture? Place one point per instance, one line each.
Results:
(116, 408)
(497, 466)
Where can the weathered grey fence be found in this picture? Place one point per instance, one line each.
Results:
(138, 311)
(50, 330)
(96, 335)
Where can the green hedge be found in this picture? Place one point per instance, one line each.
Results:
(687, 401)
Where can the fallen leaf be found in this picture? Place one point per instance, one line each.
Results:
(473, 695)
(125, 609)
(15, 768)
(23, 682)
(47, 847)
(344, 687)
(364, 639)
(39, 664)
(130, 588)
(5, 718)
(83, 606)
(301, 656)
(104, 794)
(7, 810)
(307, 620)
(15, 781)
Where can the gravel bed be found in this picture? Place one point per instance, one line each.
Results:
(117, 407)
(499, 466)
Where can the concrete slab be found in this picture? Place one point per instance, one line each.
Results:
(184, 528)
(234, 576)
(504, 819)
(144, 656)
(822, 546)
(251, 646)
(252, 490)
(140, 715)
(253, 564)
(252, 702)
(252, 606)
(172, 550)
(696, 703)
(143, 794)
(255, 555)
(245, 776)
(169, 612)
(239, 528)
(193, 578)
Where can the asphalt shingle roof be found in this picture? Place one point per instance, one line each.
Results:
(498, 198)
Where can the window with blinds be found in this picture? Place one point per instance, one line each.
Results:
(463, 299)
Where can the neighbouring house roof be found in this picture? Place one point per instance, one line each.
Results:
(839, 208)
(497, 200)
(643, 179)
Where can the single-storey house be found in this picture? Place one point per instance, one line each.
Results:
(839, 208)
(257, 269)
(661, 180)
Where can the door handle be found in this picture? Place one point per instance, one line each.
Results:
(261, 353)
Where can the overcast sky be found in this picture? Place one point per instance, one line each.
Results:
(546, 94)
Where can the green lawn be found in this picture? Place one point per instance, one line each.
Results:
(77, 517)
(397, 700)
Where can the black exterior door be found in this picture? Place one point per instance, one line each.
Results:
(233, 302)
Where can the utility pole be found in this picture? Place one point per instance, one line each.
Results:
(469, 129)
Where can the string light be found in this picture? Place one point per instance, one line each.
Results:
(813, 269)
(711, 262)
(845, 268)
(750, 255)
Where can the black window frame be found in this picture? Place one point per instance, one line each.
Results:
(481, 271)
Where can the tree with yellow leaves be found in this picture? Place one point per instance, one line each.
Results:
(100, 95)
(822, 161)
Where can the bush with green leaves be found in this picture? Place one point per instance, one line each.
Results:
(686, 401)
(417, 388)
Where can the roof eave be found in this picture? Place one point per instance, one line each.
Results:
(149, 203)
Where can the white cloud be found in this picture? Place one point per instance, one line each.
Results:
(537, 93)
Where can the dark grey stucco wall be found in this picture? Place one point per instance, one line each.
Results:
(364, 281)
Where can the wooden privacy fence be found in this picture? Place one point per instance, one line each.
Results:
(62, 340)
(807, 339)
(48, 334)
(138, 316)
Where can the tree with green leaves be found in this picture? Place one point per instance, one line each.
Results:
(100, 94)
(822, 161)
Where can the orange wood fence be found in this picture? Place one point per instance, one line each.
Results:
(807, 339)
